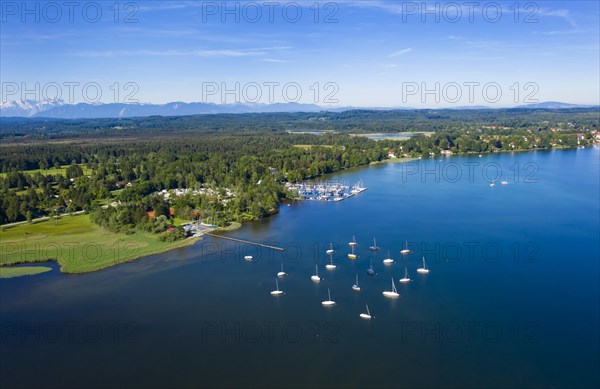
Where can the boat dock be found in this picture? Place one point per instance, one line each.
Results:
(326, 191)
(245, 241)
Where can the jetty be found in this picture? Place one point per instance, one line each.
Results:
(245, 241)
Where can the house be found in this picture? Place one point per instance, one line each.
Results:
(57, 208)
(391, 154)
(446, 152)
(152, 214)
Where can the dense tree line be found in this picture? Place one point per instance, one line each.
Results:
(352, 121)
(115, 176)
(254, 167)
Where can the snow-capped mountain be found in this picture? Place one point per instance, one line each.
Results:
(28, 108)
(58, 109)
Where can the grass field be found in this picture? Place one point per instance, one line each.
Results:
(308, 147)
(54, 171)
(13, 272)
(77, 244)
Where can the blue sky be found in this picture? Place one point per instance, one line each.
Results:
(359, 53)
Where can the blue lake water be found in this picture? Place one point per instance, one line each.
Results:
(391, 136)
(511, 300)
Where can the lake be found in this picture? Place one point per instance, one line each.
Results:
(511, 299)
(390, 136)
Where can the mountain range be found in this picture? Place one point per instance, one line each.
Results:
(58, 109)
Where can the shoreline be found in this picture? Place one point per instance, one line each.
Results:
(19, 264)
(234, 225)
(190, 241)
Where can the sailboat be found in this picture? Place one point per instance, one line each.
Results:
(374, 247)
(406, 251)
(316, 277)
(329, 301)
(391, 293)
(281, 273)
(352, 244)
(405, 278)
(504, 182)
(388, 260)
(356, 287)
(366, 315)
(330, 250)
(370, 270)
(492, 184)
(277, 292)
(330, 265)
(424, 269)
(248, 258)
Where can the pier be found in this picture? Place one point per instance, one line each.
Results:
(245, 241)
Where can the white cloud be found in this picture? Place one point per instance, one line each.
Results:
(399, 52)
(559, 13)
(217, 53)
(274, 60)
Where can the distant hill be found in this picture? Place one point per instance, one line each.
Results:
(58, 109)
(553, 105)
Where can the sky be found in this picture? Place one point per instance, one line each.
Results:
(376, 53)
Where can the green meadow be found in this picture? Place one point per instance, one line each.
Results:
(53, 171)
(78, 245)
(20, 271)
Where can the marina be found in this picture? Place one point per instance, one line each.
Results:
(329, 191)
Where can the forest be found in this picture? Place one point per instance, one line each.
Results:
(113, 168)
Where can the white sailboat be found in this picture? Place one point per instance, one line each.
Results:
(281, 273)
(356, 287)
(330, 250)
(316, 277)
(330, 265)
(374, 247)
(370, 270)
(248, 258)
(391, 293)
(492, 184)
(329, 301)
(405, 278)
(277, 292)
(423, 269)
(388, 260)
(504, 182)
(352, 244)
(366, 315)
(406, 251)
